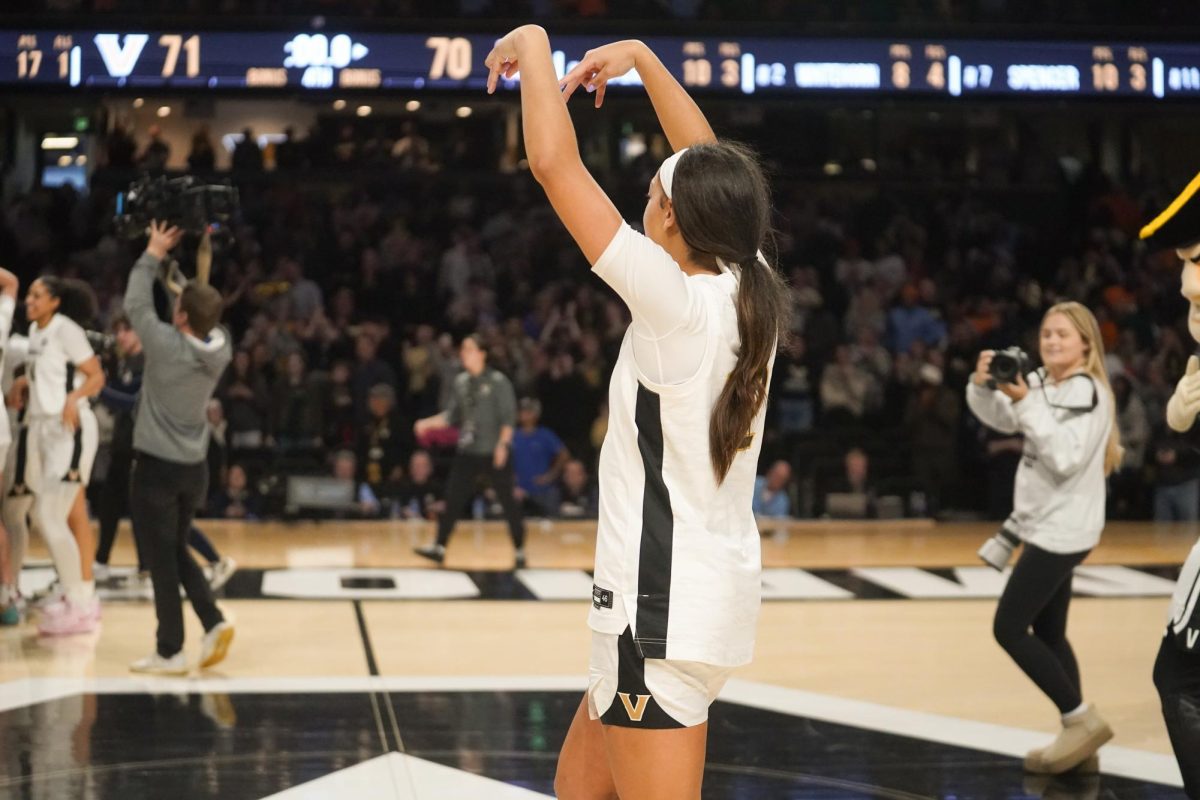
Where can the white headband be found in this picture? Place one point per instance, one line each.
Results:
(666, 173)
(666, 178)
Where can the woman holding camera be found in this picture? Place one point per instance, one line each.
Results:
(1066, 413)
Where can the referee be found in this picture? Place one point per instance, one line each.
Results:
(483, 407)
(183, 362)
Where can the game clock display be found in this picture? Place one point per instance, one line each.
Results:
(181, 59)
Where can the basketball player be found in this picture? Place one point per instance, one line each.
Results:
(17, 500)
(9, 566)
(62, 373)
(1177, 668)
(677, 578)
(1066, 412)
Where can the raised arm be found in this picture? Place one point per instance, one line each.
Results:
(139, 293)
(550, 143)
(682, 120)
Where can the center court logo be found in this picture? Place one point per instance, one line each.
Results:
(634, 710)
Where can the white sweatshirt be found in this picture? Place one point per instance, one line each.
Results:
(1060, 490)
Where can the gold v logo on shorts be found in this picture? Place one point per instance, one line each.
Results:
(634, 710)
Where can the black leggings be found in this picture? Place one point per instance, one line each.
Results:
(465, 472)
(1177, 678)
(1038, 595)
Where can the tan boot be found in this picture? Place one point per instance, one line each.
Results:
(1076, 743)
(1035, 763)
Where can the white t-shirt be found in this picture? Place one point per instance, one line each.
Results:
(1060, 488)
(8, 306)
(55, 352)
(677, 555)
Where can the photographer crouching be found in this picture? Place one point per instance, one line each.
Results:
(183, 361)
(1065, 410)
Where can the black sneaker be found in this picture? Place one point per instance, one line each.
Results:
(434, 552)
(520, 558)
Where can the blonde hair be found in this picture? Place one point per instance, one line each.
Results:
(1093, 364)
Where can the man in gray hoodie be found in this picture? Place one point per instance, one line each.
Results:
(184, 360)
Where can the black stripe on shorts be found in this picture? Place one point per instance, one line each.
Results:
(634, 706)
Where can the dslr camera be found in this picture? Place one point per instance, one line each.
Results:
(187, 202)
(1007, 365)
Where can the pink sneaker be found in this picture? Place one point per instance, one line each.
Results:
(72, 619)
(62, 605)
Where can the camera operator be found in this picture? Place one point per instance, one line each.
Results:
(1066, 414)
(183, 362)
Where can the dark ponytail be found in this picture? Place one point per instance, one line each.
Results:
(76, 299)
(723, 207)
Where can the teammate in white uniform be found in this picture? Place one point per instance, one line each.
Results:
(63, 372)
(10, 564)
(1072, 443)
(676, 599)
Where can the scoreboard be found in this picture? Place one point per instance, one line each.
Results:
(183, 59)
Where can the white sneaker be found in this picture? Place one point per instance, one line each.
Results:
(101, 572)
(216, 644)
(222, 571)
(154, 664)
(139, 586)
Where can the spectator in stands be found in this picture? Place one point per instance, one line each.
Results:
(247, 155)
(420, 366)
(576, 493)
(120, 147)
(1177, 481)
(244, 396)
(370, 370)
(931, 421)
(303, 298)
(385, 441)
(792, 388)
(853, 493)
(845, 388)
(420, 494)
(411, 150)
(538, 457)
(910, 321)
(568, 406)
(366, 504)
(202, 158)
(338, 414)
(237, 499)
(773, 491)
(1126, 489)
(217, 447)
(289, 155)
(154, 157)
(295, 412)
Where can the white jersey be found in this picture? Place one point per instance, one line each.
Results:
(1060, 490)
(677, 555)
(55, 352)
(8, 306)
